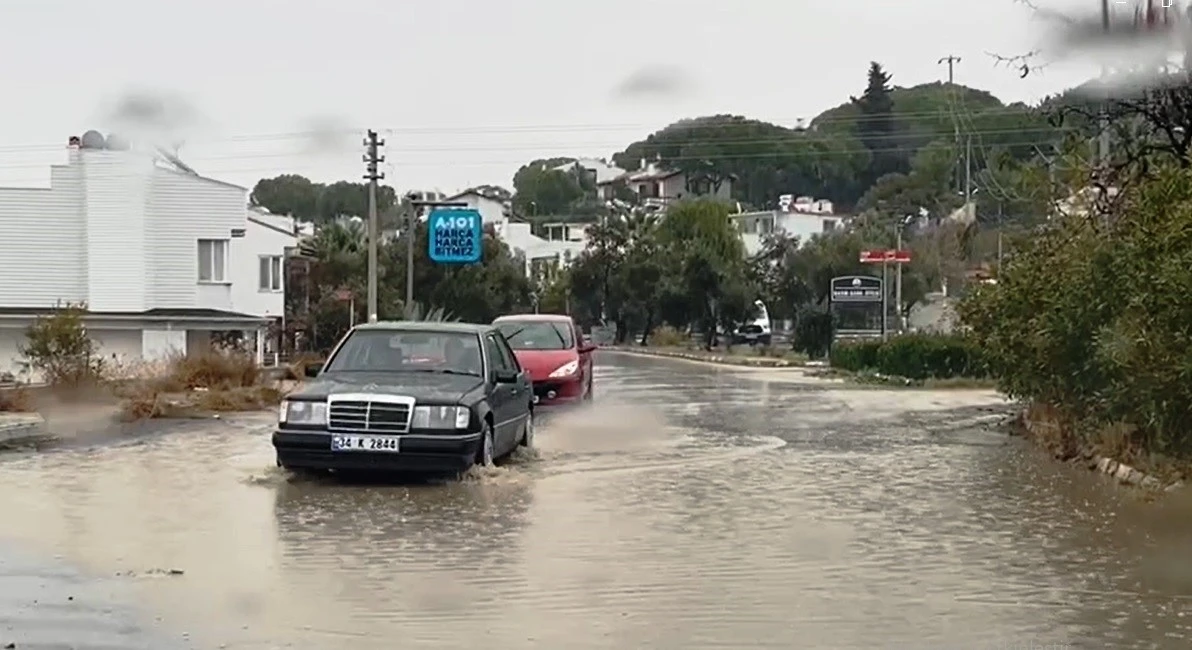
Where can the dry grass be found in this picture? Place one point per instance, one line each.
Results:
(197, 386)
(1058, 434)
(16, 400)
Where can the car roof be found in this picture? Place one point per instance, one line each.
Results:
(541, 318)
(427, 326)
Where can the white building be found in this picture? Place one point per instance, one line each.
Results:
(496, 212)
(656, 186)
(160, 256)
(598, 171)
(800, 217)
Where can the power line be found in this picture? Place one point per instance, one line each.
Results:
(1042, 132)
(806, 155)
(543, 129)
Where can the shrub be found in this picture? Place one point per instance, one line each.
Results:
(213, 369)
(668, 337)
(59, 348)
(854, 355)
(913, 356)
(1093, 318)
(15, 400)
(814, 331)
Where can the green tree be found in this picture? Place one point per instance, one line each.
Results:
(876, 125)
(301, 198)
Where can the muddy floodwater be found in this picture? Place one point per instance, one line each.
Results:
(688, 507)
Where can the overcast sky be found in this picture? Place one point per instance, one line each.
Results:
(465, 91)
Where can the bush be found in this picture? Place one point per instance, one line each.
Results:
(855, 356)
(914, 356)
(213, 369)
(1093, 318)
(814, 331)
(59, 348)
(15, 400)
(668, 337)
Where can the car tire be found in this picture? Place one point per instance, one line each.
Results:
(527, 439)
(486, 454)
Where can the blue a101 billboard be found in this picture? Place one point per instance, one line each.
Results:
(456, 236)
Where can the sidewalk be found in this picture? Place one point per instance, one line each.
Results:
(16, 428)
(728, 359)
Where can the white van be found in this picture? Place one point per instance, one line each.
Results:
(757, 330)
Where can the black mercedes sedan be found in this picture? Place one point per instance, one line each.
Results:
(426, 397)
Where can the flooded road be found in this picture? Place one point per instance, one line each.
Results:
(690, 507)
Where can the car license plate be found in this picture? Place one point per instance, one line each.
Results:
(384, 444)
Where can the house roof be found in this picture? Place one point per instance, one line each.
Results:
(272, 227)
(642, 175)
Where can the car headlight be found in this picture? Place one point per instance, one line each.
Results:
(565, 370)
(298, 412)
(441, 417)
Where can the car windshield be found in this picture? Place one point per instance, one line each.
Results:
(408, 351)
(537, 335)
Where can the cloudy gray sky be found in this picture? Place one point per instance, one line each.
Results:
(463, 90)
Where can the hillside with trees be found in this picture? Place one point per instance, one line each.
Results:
(888, 149)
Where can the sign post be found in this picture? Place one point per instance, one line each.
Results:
(860, 293)
(456, 236)
(886, 258)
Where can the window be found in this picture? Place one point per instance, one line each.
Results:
(379, 350)
(829, 225)
(540, 335)
(270, 273)
(213, 260)
(497, 354)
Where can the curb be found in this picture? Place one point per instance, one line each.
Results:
(758, 362)
(1120, 472)
(20, 429)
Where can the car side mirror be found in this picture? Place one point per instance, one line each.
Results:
(312, 370)
(505, 376)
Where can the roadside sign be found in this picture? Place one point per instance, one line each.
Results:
(856, 288)
(456, 236)
(885, 257)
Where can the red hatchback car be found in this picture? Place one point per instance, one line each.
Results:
(551, 348)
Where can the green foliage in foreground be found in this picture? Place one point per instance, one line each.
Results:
(1095, 319)
(913, 356)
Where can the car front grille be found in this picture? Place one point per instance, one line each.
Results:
(382, 416)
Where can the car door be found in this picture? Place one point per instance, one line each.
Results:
(524, 395)
(504, 396)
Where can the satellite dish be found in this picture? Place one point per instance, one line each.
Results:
(93, 140)
(118, 143)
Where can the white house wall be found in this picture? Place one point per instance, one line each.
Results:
(43, 243)
(259, 240)
(115, 187)
(186, 208)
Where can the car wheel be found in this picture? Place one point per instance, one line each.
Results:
(486, 454)
(527, 440)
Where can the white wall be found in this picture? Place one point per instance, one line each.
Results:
(161, 344)
(794, 224)
(116, 185)
(492, 211)
(43, 242)
(184, 209)
(261, 239)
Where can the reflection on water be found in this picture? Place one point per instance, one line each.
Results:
(683, 510)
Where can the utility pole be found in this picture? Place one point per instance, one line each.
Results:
(968, 173)
(951, 61)
(1103, 149)
(416, 205)
(372, 159)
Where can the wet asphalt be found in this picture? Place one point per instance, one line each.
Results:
(689, 507)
